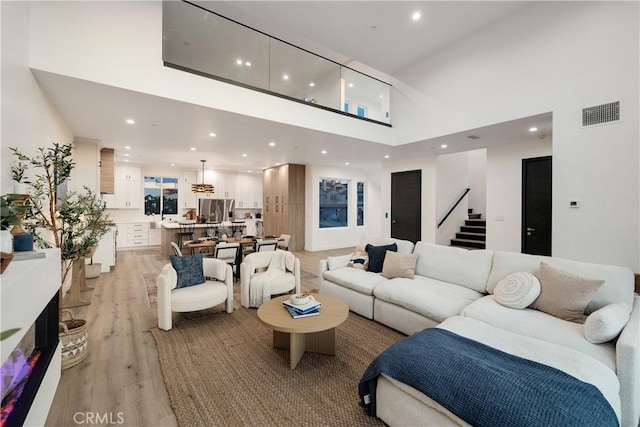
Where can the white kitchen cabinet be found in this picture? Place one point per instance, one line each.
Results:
(248, 191)
(154, 237)
(188, 198)
(106, 251)
(128, 188)
(224, 184)
(133, 234)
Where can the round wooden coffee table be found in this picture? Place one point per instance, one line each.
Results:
(316, 334)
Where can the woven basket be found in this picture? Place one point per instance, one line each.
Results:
(74, 339)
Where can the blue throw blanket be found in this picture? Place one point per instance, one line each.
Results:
(485, 386)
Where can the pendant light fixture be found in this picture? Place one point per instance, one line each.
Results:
(202, 188)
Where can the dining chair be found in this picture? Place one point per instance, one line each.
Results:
(228, 252)
(266, 245)
(283, 242)
(176, 249)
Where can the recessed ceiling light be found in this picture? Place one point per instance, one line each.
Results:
(350, 84)
(127, 154)
(386, 157)
(272, 144)
(533, 129)
(126, 147)
(312, 84)
(443, 146)
(416, 16)
(212, 134)
(248, 64)
(324, 151)
(285, 76)
(192, 148)
(244, 154)
(249, 171)
(126, 160)
(239, 61)
(173, 164)
(277, 163)
(131, 121)
(346, 163)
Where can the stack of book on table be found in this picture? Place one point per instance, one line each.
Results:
(311, 308)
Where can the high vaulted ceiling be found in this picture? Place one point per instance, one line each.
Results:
(340, 31)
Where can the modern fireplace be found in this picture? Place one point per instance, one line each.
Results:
(22, 373)
(31, 358)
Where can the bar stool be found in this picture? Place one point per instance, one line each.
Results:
(186, 232)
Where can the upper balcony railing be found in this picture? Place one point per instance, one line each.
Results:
(202, 42)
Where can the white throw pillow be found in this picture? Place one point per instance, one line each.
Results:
(517, 290)
(605, 324)
(334, 262)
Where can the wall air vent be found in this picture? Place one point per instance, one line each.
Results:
(599, 114)
(473, 137)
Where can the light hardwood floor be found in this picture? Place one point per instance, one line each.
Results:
(120, 381)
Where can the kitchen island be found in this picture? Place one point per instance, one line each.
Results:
(170, 231)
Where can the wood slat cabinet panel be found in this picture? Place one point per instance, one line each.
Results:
(283, 210)
(107, 171)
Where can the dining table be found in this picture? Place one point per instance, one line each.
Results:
(201, 245)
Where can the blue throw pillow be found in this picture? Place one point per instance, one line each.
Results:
(189, 269)
(376, 256)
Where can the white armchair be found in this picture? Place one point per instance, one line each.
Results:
(263, 274)
(217, 288)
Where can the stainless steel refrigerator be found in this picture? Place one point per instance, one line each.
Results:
(216, 210)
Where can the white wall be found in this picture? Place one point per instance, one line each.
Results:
(452, 178)
(317, 239)
(29, 120)
(478, 181)
(548, 57)
(504, 192)
(119, 43)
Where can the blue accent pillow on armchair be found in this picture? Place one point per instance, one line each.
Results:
(189, 269)
(376, 256)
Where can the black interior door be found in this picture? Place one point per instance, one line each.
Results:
(406, 203)
(536, 206)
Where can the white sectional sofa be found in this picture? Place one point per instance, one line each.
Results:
(457, 284)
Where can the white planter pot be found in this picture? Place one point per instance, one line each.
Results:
(6, 241)
(19, 188)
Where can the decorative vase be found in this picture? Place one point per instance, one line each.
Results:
(23, 242)
(20, 188)
(6, 241)
(91, 271)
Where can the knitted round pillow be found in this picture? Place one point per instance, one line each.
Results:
(517, 290)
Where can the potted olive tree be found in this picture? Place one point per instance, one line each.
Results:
(71, 221)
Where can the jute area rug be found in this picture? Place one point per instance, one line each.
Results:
(221, 370)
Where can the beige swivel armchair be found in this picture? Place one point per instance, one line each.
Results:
(217, 289)
(263, 274)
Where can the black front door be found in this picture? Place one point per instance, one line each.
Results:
(536, 206)
(406, 205)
